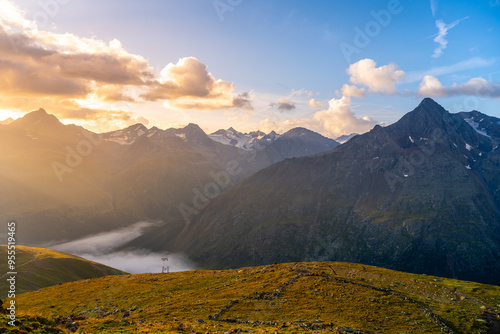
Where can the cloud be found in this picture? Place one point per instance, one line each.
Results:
(381, 79)
(315, 104)
(431, 86)
(284, 104)
(333, 122)
(66, 69)
(339, 119)
(348, 90)
(105, 242)
(301, 92)
(243, 101)
(468, 64)
(188, 85)
(441, 36)
(434, 6)
(101, 248)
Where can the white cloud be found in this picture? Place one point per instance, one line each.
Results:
(381, 79)
(189, 85)
(468, 64)
(348, 90)
(441, 36)
(431, 86)
(434, 6)
(333, 122)
(301, 92)
(315, 104)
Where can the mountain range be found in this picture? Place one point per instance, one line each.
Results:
(421, 195)
(66, 182)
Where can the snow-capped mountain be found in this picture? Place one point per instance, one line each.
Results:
(245, 141)
(126, 136)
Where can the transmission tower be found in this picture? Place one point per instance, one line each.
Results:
(165, 269)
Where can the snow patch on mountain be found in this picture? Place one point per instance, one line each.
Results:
(245, 141)
(475, 126)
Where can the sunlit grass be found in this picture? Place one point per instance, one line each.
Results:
(287, 298)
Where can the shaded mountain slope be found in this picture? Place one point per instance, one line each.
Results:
(420, 195)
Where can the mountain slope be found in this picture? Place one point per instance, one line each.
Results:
(40, 267)
(298, 142)
(7, 121)
(287, 298)
(483, 124)
(421, 195)
(65, 182)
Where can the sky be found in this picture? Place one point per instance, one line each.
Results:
(335, 67)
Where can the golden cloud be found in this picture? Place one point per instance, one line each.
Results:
(189, 85)
(57, 68)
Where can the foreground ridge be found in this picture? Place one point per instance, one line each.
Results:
(284, 298)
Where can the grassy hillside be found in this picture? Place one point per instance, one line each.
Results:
(40, 267)
(283, 298)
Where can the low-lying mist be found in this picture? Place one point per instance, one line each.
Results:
(101, 248)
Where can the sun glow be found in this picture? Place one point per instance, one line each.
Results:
(6, 113)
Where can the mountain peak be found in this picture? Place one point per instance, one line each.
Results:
(431, 106)
(428, 101)
(7, 121)
(419, 122)
(40, 111)
(36, 120)
(193, 126)
(138, 126)
(191, 133)
(297, 132)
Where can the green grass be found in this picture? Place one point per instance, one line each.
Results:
(40, 267)
(283, 298)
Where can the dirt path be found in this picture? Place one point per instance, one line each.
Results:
(25, 263)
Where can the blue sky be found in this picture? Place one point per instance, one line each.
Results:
(275, 56)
